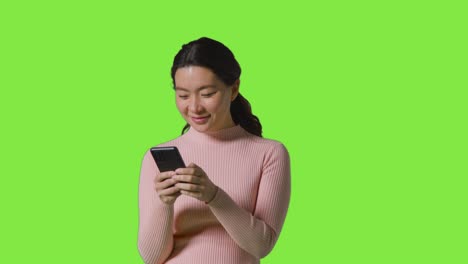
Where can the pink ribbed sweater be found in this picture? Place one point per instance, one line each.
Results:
(243, 221)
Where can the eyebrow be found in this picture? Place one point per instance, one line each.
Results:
(199, 88)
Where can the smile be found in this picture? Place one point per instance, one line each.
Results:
(200, 120)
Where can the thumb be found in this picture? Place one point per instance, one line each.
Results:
(192, 165)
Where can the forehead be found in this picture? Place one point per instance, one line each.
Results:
(193, 77)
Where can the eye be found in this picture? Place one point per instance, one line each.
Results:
(208, 95)
(183, 96)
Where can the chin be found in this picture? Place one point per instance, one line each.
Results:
(200, 128)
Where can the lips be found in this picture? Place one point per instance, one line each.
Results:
(200, 120)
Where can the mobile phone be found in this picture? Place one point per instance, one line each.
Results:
(167, 158)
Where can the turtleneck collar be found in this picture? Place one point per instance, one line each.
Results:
(225, 134)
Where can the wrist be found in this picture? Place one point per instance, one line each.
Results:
(213, 196)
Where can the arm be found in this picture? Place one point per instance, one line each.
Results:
(258, 233)
(155, 240)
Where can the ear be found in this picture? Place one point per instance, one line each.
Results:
(235, 89)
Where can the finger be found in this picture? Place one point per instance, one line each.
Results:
(171, 191)
(164, 175)
(192, 165)
(197, 195)
(190, 187)
(165, 184)
(187, 178)
(180, 171)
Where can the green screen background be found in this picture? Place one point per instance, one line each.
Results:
(369, 97)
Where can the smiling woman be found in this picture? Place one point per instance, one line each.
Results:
(205, 101)
(217, 68)
(229, 204)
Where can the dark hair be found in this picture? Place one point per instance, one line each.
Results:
(212, 54)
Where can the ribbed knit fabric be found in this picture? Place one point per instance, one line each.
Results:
(243, 221)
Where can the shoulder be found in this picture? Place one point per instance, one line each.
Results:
(272, 147)
(271, 143)
(274, 155)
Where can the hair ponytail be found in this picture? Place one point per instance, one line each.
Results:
(241, 113)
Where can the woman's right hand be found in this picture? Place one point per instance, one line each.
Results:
(165, 187)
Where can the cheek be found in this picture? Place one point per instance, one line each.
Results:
(213, 105)
(224, 103)
(180, 105)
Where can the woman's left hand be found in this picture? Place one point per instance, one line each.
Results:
(193, 181)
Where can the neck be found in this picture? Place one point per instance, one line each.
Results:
(224, 134)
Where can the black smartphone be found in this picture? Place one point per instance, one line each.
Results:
(167, 158)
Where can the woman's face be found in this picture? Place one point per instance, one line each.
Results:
(204, 100)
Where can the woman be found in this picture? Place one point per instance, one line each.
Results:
(229, 204)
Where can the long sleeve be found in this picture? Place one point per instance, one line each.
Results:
(243, 221)
(155, 239)
(258, 233)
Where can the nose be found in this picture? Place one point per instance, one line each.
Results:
(195, 106)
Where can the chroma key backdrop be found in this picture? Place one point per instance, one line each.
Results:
(369, 97)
